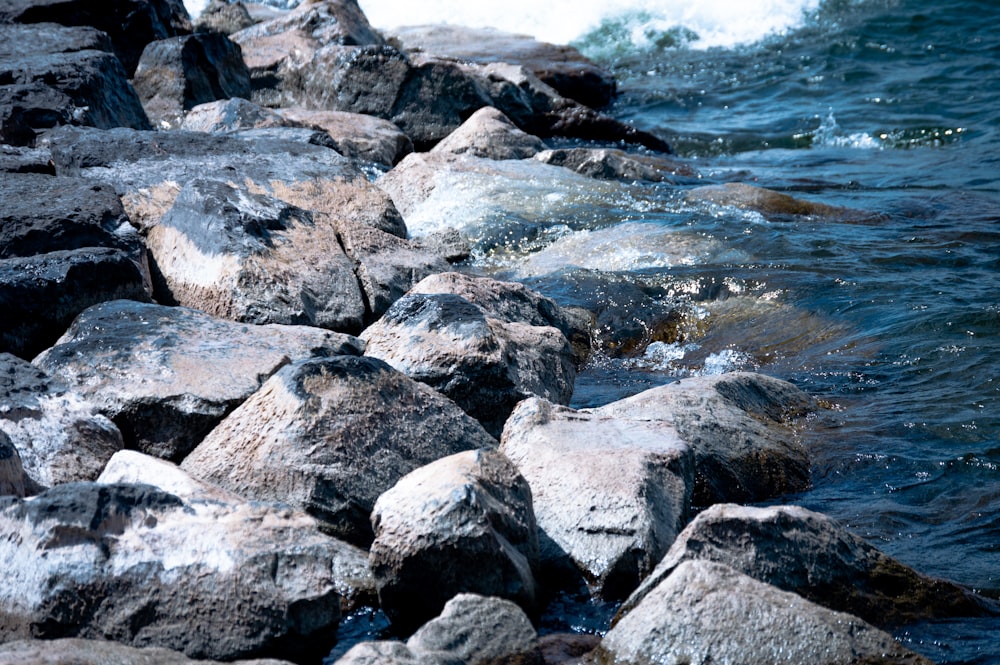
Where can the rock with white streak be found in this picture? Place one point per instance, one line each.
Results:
(228, 115)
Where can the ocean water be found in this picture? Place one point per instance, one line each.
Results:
(891, 316)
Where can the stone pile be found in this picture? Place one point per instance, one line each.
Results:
(243, 393)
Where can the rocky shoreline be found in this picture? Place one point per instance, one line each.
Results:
(249, 387)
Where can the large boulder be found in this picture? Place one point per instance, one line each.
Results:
(358, 136)
(228, 115)
(462, 524)
(706, 612)
(13, 481)
(809, 554)
(610, 494)
(484, 364)
(21, 159)
(68, 76)
(59, 436)
(167, 375)
(329, 436)
(74, 651)
(489, 133)
(176, 74)
(741, 427)
(137, 565)
(253, 258)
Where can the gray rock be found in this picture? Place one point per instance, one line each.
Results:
(40, 295)
(387, 652)
(610, 163)
(308, 135)
(73, 651)
(708, 613)
(462, 524)
(253, 258)
(167, 375)
(807, 553)
(141, 567)
(227, 115)
(362, 137)
(224, 17)
(740, 426)
(178, 73)
(20, 159)
(610, 494)
(329, 436)
(484, 364)
(489, 133)
(13, 481)
(60, 437)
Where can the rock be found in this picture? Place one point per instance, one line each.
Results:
(19, 159)
(484, 364)
(73, 651)
(768, 202)
(739, 425)
(135, 468)
(141, 567)
(254, 259)
(610, 494)
(807, 553)
(562, 67)
(567, 648)
(227, 115)
(329, 436)
(386, 652)
(13, 481)
(357, 136)
(613, 164)
(67, 79)
(176, 74)
(387, 266)
(167, 375)
(59, 436)
(489, 133)
(224, 17)
(131, 24)
(40, 295)
(462, 524)
(478, 630)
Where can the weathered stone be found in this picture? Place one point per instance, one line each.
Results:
(176, 74)
(13, 481)
(224, 17)
(388, 652)
(610, 163)
(131, 24)
(361, 137)
(707, 612)
(349, 202)
(167, 375)
(479, 630)
(140, 566)
(807, 553)
(307, 135)
(74, 651)
(40, 295)
(253, 258)
(484, 364)
(768, 202)
(489, 133)
(610, 494)
(59, 436)
(567, 648)
(229, 115)
(739, 425)
(329, 436)
(462, 524)
(20, 159)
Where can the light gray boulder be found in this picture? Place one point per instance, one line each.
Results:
(74, 651)
(706, 612)
(489, 133)
(329, 436)
(142, 567)
(362, 137)
(484, 364)
(254, 259)
(228, 115)
(462, 524)
(13, 481)
(809, 554)
(741, 426)
(387, 652)
(610, 494)
(167, 375)
(59, 436)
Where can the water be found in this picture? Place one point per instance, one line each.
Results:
(892, 317)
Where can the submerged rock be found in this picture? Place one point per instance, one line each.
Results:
(768, 202)
(610, 163)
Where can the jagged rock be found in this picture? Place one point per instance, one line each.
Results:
(140, 566)
(610, 494)
(562, 67)
(362, 137)
(40, 295)
(227, 115)
(329, 435)
(610, 163)
(768, 202)
(73, 651)
(739, 425)
(20, 159)
(176, 74)
(59, 436)
(489, 133)
(484, 364)
(224, 17)
(130, 24)
(308, 135)
(253, 258)
(807, 553)
(68, 77)
(167, 375)
(13, 481)
(462, 524)
(707, 612)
